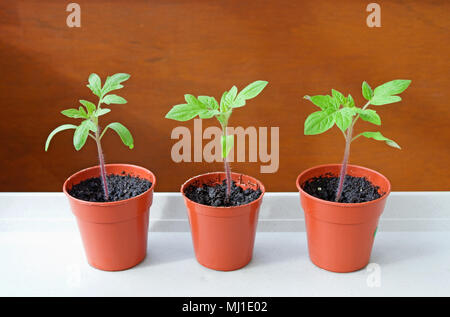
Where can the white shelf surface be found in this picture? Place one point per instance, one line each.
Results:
(42, 254)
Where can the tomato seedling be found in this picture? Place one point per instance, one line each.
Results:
(340, 110)
(90, 113)
(206, 107)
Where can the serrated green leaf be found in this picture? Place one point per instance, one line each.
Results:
(73, 113)
(102, 111)
(58, 129)
(113, 82)
(83, 112)
(80, 135)
(319, 122)
(207, 114)
(114, 99)
(379, 100)
(183, 112)
(393, 87)
(227, 144)
(367, 91)
(210, 102)
(344, 118)
(95, 84)
(339, 97)
(323, 102)
(379, 137)
(369, 115)
(89, 106)
(350, 102)
(123, 132)
(252, 90)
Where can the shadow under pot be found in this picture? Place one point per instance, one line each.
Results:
(114, 233)
(223, 237)
(341, 235)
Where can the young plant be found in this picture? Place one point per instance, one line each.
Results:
(340, 110)
(90, 113)
(207, 107)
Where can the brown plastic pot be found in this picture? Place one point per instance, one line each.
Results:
(223, 237)
(340, 235)
(114, 234)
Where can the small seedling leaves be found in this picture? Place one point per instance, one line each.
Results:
(89, 106)
(123, 132)
(183, 112)
(113, 82)
(210, 102)
(323, 102)
(379, 100)
(73, 113)
(95, 84)
(58, 129)
(319, 122)
(379, 137)
(114, 99)
(350, 101)
(344, 118)
(252, 90)
(81, 134)
(102, 111)
(391, 88)
(367, 91)
(339, 97)
(369, 115)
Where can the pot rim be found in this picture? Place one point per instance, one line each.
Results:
(109, 203)
(337, 204)
(259, 183)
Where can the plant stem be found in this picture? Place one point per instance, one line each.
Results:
(348, 141)
(227, 170)
(102, 164)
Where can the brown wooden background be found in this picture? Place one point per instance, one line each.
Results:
(204, 47)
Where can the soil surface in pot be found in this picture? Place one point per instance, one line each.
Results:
(120, 187)
(215, 194)
(356, 189)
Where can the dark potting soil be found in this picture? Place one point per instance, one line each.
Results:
(356, 189)
(120, 187)
(214, 195)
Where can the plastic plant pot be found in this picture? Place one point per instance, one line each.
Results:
(115, 233)
(341, 235)
(223, 237)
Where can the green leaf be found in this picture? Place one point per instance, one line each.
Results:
(83, 112)
(369, 115)
(323, 102)
(319, 122)
(109, 99)
(113, 82)
(344, 118)
(379, 137)
(58, 129)
(379, 100)
(95, 84)
(123, 132)
(73, 113)
(350, 102)
(194, 102)
(340, 98)
(232, 93)
(210, 102)
(207, 114)
(102, 111)
(81, 134)
(367, 91)
(252, 90)
(238, 102)
(89, 106)
(227, 143)
(183, 112)
(393, 87)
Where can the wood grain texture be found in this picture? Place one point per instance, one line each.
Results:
(204, 47)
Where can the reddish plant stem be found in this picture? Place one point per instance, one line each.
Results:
(228, 177)
(348, 141)
(102, 164)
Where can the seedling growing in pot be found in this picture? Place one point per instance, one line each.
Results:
(340, 110)
(206, 107)
(90, 113)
